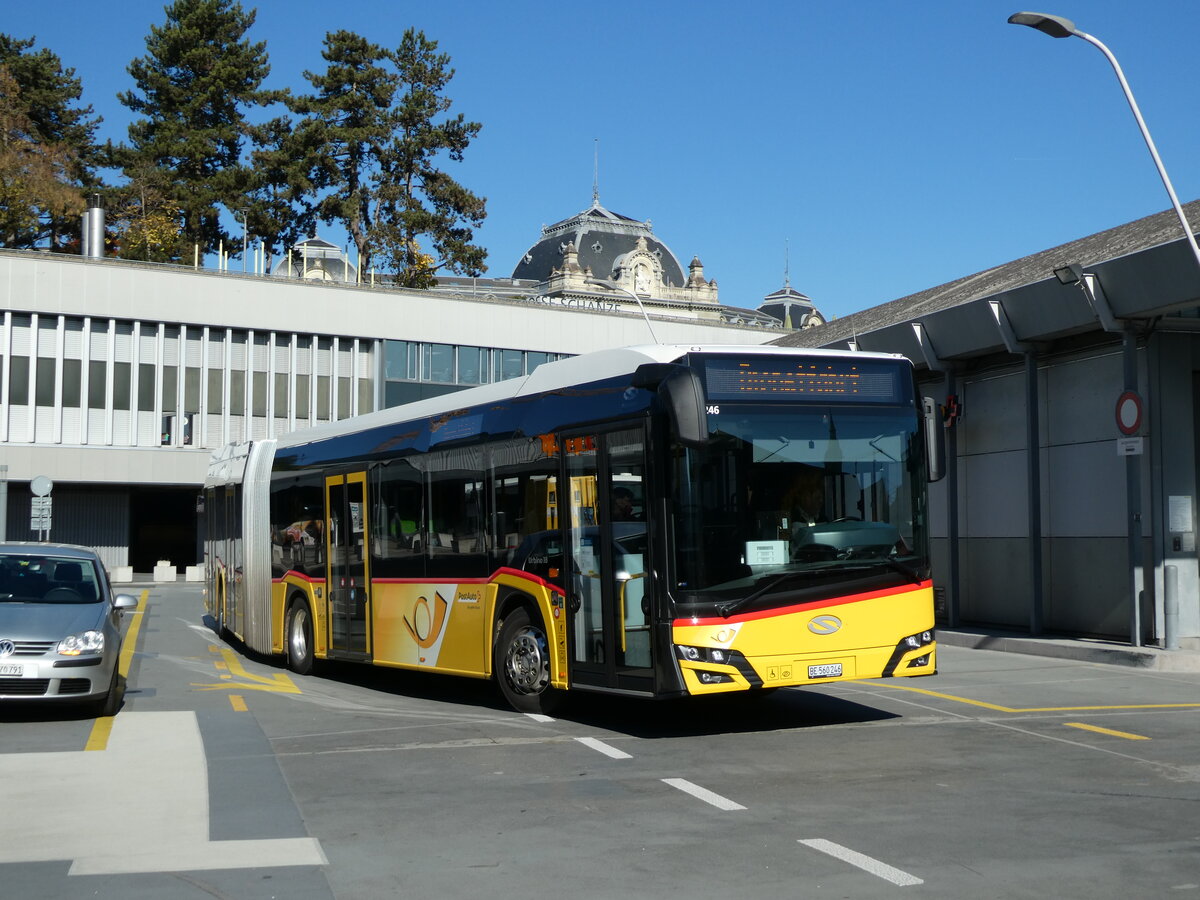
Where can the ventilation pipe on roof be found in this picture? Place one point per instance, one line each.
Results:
(92, 237)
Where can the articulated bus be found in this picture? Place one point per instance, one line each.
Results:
(654, 521)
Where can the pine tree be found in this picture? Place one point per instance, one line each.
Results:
(420, 200)
(198, 76)
(48, 147)
(344, 127)
(371, 138)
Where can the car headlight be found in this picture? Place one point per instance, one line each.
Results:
(86, 642)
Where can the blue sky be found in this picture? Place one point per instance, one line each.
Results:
(885, 146)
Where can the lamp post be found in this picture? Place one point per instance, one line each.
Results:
(600, 282)
(1058, 27)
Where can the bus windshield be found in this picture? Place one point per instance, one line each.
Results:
(788, 497)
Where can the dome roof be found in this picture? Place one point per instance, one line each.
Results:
(602, 239)
(792, 308)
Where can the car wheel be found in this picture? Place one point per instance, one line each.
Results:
(108, 705)
(299, 634)
(522, 665)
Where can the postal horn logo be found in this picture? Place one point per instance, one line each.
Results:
(824, 624)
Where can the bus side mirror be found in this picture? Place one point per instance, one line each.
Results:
(683, 395)
(935, 441)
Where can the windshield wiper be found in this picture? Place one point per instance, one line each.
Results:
(907, 571)
(728, 609)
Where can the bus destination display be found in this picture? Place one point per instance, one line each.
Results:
(789, 379)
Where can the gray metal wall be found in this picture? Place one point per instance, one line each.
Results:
(1084, 578)
(92, 516)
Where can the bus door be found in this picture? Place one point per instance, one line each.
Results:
(231, 616)
(609, 568)
(347, 576)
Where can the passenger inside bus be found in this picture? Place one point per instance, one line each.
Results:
(622, 505)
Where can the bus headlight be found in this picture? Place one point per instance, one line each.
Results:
(917, 641)
(718, 655)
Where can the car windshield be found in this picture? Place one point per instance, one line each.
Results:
(37, 578)
(787, 498)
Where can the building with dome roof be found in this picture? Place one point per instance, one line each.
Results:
(315, 259)
(794, 309)
(604, 260)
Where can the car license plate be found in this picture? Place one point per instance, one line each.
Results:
(826, 670)
(12, 670)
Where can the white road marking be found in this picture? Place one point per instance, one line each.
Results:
(864, 862)
(702, 794)
(152, 783)
(538, 717)
(603, 748)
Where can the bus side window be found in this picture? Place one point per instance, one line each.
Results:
(523, 502)
(397, 550)
(455, 532)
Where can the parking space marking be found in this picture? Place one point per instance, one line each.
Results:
(866, 863)
(704, 794)
(1109, 731)
(237, 702)
(538, 717)
(603, 748)
(1029, 709)
(102, 727)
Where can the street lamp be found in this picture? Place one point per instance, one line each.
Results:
(1058, 27)
(600, 282)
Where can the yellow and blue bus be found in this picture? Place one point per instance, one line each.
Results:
(654, 521)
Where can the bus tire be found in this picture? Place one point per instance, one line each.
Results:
(522, 664)
(298, 637)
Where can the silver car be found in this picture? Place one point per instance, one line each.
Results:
(60, 627)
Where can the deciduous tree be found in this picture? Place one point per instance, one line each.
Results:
(48, 147)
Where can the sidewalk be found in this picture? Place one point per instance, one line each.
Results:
(1080, 649)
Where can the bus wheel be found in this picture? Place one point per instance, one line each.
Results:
(522, 665)
(299, 635)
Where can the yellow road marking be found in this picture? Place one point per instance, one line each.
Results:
(1108, 731)
(1031, 709)
(102, 727)
(237, 702)
(278, 683)
(98, 737)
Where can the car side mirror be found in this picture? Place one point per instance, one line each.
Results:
(122, 602)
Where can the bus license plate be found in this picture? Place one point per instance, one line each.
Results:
(12, 670)
(827, 670)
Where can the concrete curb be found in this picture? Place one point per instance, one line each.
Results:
(1080, 649)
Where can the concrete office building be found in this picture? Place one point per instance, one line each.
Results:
(118, 378)
(1053, 517)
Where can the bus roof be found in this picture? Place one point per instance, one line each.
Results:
(574, 370)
